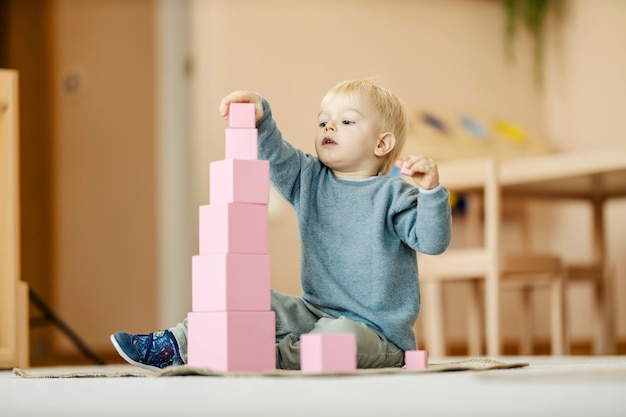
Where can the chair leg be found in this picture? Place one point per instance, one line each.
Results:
(608, 344)
(527, 322)
(23, 328)
(492, 313)
(557, 317)
(433, 321)
(600, 325)
(475, 320)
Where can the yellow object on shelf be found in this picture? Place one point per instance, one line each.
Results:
(468, 136)
(510, 131)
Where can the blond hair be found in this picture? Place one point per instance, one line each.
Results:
(392, 113)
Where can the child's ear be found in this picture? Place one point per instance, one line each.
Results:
(386, 142)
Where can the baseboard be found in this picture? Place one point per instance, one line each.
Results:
(541, 347)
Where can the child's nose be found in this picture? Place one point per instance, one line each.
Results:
(329, 126)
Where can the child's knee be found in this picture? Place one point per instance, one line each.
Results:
(339, 325)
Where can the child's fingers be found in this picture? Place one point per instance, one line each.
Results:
(413, 163)
(225, 104)
(258, 108)
(241, 97)
(422, 165)
(422, 170)
(405, 168)
(400, 163)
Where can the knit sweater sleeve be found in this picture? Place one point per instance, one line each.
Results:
(425, 225)
(286, 162)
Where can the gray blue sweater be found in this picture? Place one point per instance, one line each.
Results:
(358, 238)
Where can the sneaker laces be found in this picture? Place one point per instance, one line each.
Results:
(161, 348)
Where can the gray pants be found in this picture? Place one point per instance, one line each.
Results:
(294, 316)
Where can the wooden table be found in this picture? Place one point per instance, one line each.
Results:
(590, 175)
(583, 174)
(593, 175)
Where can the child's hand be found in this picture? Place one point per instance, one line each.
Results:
(422, 171)
(242, 97)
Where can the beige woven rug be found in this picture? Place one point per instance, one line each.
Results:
(472, 364)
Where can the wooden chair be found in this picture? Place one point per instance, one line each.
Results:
(13, 292)
(593, 273)
(484, 266)
(527, 272)
(601, 279)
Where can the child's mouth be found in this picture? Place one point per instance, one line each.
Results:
(328, 141)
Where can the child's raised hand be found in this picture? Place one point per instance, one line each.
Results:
(242, 97)
(422, 171)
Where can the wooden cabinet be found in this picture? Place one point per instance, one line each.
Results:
(13, 291)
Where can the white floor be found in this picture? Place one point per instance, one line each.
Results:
(566, 386)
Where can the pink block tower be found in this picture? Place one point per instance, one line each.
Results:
(231, 326)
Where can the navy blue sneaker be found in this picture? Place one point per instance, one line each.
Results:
(153, 351)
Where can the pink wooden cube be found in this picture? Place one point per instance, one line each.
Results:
(231, 282)
(241, 116)
(233, 228)
(327, 352)
(405, 170)
(241, 144)
(416, 359)
(232, 340)
(240, 181)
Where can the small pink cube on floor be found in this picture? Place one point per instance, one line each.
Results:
(321, 353)
(416, 359)
(404, 170)
(241, 116)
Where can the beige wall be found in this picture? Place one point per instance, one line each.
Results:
(447, 55)
(104, 210)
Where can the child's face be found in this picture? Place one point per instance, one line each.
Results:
(347, 136)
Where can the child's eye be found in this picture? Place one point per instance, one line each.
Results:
(322, 124)
(347, 122)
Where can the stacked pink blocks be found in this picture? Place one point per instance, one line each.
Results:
(231, 326)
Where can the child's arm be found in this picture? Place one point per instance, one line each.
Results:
(421, 170)
(286, 162)
(431, 230)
